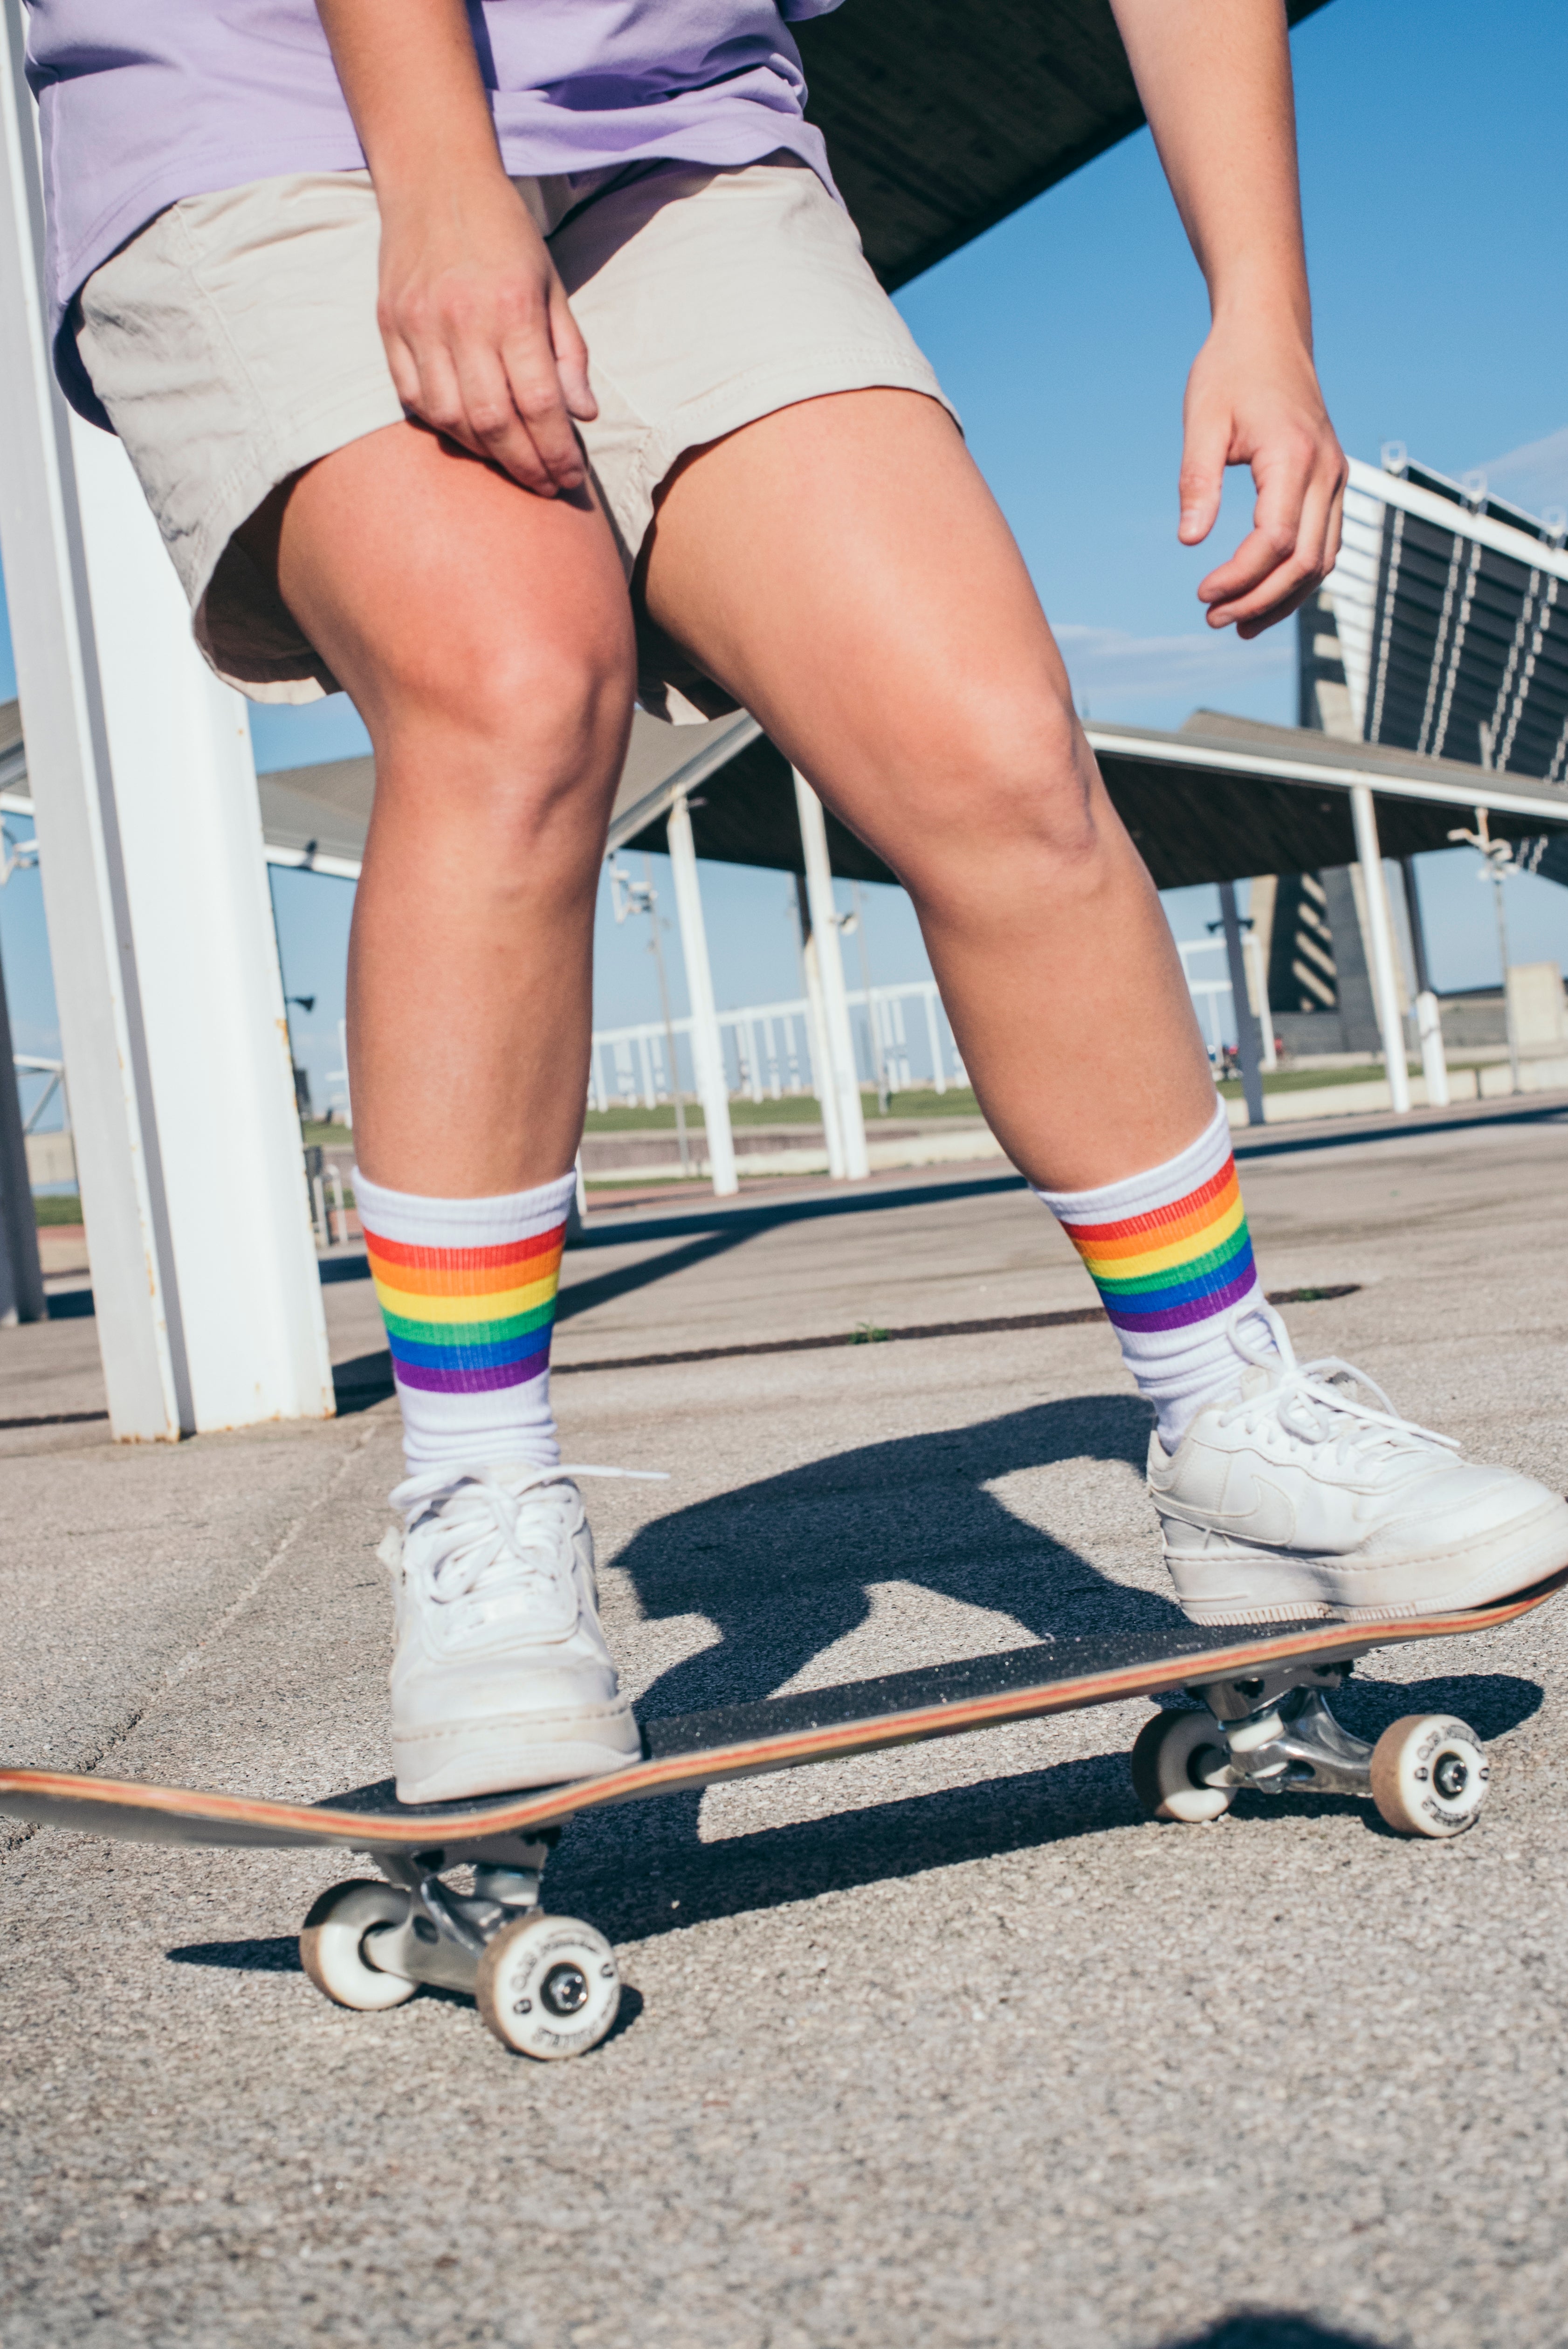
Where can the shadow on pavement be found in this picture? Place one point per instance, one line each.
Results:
(71, 1305)
(1268, 2328)
(278, 1956)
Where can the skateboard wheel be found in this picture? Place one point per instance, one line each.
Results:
(1162, 1777)
(1430, 1774)
(548, 1987)
(332, 1950)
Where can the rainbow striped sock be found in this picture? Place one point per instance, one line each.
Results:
(1171, 1257)
(467, 1290)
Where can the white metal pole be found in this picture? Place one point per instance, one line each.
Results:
(1429, 1012)
(838, 1037)
(707, 1049)
(206, 1292)
(1240, 1006)
(933, 1036)
(1252, 946)
(1385, 986)
(822, 1083)
(21, 1295)
(1434, 1060)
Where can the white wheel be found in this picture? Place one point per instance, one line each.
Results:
(1162, 1774)
(1430, 1774)
(331, 1948)
(549, 1987)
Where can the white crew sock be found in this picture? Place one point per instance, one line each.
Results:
(467, 1288)
(1171, 1257)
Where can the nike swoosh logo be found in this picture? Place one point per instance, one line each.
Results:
(1256, 1510)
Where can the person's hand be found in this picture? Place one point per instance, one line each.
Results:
(480, 341)
(1253, 399)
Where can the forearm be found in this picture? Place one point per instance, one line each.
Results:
(412, 81)
(1216, 81)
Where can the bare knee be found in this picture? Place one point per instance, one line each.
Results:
(518, 740)
(1015, 803)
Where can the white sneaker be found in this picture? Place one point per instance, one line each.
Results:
(500, 1678)
(1292, 1498)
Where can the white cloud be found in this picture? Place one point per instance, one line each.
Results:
(1107, 664)
(1534, 476)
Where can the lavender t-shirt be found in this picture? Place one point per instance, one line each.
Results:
(144, 101)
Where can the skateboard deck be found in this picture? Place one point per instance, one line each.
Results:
(688, 1751)
(1265, 1724)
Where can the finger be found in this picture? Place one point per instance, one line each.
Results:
(571, 357)
(435, 398)
(1205, 447)
(1283, 478)
(403, 366)
(536, 390)
(490, 424)
(1288, 583)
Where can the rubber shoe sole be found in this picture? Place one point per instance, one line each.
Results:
(1261, 1587)
(513, 1756)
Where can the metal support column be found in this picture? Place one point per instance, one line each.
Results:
(206, 1292)
(707, 1048)
(1241, 1003)
(21, 1277)
(1429, 1013)
(817, 1036)
(839, 1036)
(1380, 941)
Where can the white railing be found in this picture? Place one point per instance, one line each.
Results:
(767, 1052)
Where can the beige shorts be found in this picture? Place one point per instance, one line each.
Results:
(234, 340)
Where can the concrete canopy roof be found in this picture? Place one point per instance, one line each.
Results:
(1223, 798)
(941, 120)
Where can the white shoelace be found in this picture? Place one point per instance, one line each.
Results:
(483, 1533)
(1311, 1403)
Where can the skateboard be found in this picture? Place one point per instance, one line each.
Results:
(549, 1987)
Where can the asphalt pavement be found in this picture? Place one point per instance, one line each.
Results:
(945, 2045)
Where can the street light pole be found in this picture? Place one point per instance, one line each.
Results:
(1498, 862)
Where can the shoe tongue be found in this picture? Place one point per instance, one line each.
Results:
(1258, 1379)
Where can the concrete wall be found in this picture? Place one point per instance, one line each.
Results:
(51, 1158)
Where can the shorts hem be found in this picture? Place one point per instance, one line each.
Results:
(318, 432)
(764, 392)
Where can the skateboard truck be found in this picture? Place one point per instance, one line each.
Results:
(1274, 1732)
(547, 1986)
(1281, 1736)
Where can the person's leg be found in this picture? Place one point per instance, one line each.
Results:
(485, 637)
(841, 567)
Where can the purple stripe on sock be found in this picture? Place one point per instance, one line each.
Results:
(1181, 1316)
(475, 1381)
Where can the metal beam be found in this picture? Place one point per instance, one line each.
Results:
(1468, 789)
(1533, 553)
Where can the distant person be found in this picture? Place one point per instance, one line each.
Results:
(583, 390)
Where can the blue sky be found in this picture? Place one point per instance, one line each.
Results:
(1434, 183)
